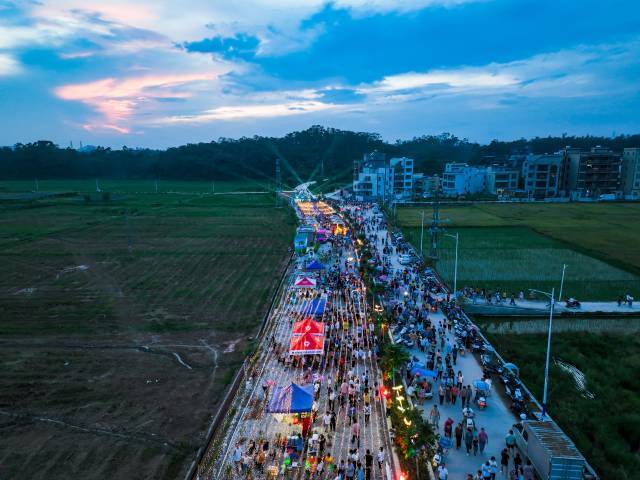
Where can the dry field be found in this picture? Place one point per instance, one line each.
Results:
(122, 322)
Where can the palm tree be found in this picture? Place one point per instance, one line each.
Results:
(394, 357)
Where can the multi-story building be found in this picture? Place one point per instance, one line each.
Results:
(543, 175)
(371, 177)
(593, 173)
(502, 180)
(401, 170)
(377, 178)
(462, 179)
(631, 173)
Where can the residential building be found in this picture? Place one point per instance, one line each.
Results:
(543, 175)
(401, 171)
(377, 178)
(631, 173)
(425, 185)
(461, 179)
(502, 180)
(593, 173)
(371, 180)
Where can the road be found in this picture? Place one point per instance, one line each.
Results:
(496, 419)
(345, 320)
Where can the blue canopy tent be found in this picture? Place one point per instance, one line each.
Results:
(423, 372)
(314, 307)
(314, 265)
(291, 399)
(481, 385)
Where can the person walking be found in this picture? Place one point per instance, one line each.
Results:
(434, 417)
(510, 440)
(443, 473)
(475, 441)
(494, 468)
(380, 458)
(458, 435)
(468, 439)
(483, 440)
(504, 461)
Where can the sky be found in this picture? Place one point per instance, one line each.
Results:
(159, 73)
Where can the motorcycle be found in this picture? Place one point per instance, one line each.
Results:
(572, 303)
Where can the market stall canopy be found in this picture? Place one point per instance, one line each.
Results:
(481, 385)
(306, 344)
(291, 399)
(314, 307)
(305, 282)
(308, 326)
(315, 265)
(423, 372)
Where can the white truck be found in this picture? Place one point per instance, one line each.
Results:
(552, 453)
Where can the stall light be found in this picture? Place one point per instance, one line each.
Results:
(397, 387)
(407, 422)
(401, 408)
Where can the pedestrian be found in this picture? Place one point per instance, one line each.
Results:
(475, 441)
(486, 470)
(494, 468)
(441, 394)
(468, 439)
(237, 457)
(458, 435)
(504, 461)
(443, 473)
(483, 440)
(510, 440)
(380, 458)
(368, 464)
(529, 473)
(463, 397)
(434, 417)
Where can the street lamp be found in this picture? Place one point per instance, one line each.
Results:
(455, 271)
(546, 365)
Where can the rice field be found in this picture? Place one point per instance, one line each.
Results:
(514, 252)
(123, 320)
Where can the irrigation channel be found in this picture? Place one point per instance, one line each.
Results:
(277, 420)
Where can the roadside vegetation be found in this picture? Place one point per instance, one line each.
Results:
(601, 418)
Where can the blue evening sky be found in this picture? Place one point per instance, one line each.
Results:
(149, 73)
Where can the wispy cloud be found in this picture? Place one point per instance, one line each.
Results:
(118, 99)
(8, 65)
(239, 112)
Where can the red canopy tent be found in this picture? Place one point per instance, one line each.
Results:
(305, 282)
(308, 326)
(307, 344)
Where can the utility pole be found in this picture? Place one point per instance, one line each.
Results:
(435, 226)
(546, 365)
(564, 267)
(278, 184)
(97, 186)
(421, 233)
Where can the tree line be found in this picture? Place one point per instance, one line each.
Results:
(304, 155)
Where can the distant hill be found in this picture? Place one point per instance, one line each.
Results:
(315, 153)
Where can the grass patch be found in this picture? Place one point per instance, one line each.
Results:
(606, 428)
(517, 247)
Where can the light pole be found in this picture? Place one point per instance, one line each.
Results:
(421, 233)
(564, 267)
(455, 268)
(546, 365)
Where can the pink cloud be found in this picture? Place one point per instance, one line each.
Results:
(118, 99)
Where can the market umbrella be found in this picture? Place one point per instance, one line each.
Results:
(481, 385)
(423, 372)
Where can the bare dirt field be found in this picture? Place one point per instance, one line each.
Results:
(123, 319)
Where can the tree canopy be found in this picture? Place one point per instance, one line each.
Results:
(304, 155)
